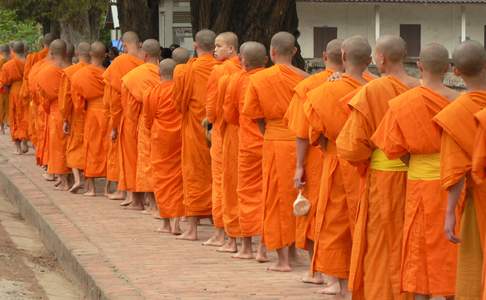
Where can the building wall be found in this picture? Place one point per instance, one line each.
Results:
(439, 23)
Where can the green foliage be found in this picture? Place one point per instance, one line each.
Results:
(12, 28)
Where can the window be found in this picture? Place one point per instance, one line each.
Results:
(322, 36)
(412, 35)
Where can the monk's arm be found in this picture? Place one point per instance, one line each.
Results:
(302, 145)
(353, 142)
(212, 96)
(453, 196)
(148, 110)
(389, 138)
(115, 109)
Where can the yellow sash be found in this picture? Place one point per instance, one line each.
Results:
(380, 162)
(424, 167)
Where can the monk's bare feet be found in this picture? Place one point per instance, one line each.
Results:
(217, 239)
(135, 206)
(24, 147)
(165, 228)
(262, 256)
(279, 268)
(175, 226)
(283, 263)
(246, 249)
(75, 188)
(89, 194)
(229, 246)
(333, 287)
(315, 278)
(118, 195)
(48, 177)
(191, 232)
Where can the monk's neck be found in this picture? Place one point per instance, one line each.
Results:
(334, 67)
(356, 72)
(97, 63)
(204, 53)
(475, 83)
(282, 60)
(58, 61)
(84, 60)
(153, 61)
(433, 82)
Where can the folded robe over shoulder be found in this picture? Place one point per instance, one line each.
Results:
(87, 94)
(268, 97)
(190, 91)
(113, 75)
(377, 239)
(429, 260)
(164, 123)
(459, 130)
(134, 145)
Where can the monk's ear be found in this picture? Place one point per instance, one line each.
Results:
(456, 71)
(419, 66)
(294, 51)
(266, 60)
(324, 56)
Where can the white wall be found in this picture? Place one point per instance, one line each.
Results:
(439, 23)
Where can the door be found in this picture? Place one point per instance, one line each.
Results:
(322, 36)
(412, 36)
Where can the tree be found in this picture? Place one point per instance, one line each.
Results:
(251, 20)
(141, 16)
(11, 28)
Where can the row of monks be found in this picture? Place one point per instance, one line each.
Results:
(392, 166)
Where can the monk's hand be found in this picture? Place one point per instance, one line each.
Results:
(335, 76)
(450, 227)
(65, 128)
(114, 135)
(299, 177)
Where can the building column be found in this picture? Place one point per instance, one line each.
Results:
(463, 23)
(377, 22)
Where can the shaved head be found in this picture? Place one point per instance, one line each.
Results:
(58, 48)
(434, 58)
(357, 50)
(205, 40)
(393, 48)
(83, 49)
(469, 58)
(230, 38)
(152, 48)
(5, 50)
(181, 55)
(130, 38)
(98, 50)
(167, 67)
(19, 48)
(283, 43)
(253, 55)
(333, 51)
(48, 39)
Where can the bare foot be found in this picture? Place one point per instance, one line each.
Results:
(332, 288)
(214, 242)
(176, 227)
(262, 256)
(189, 235)
(126, 202)
(228, 247)
(164, 229)
(315, 278)
(279, 268)
(118, 195)
(241, 255)
(48, 177)
(75, 188)
(90, 194)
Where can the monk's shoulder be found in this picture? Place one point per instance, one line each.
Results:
(408, 98)
(481, 117)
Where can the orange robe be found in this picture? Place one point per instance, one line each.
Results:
(134, 145)
(27, 94)
(164, 123)
(87, 87)
(4, 98)
(74, 117)
(190, 90)
(217, 84)
(457, 148)
(377, 239)
(339, 183)
(49, 80)
(268, 97)
(11, 76)
(297, 122)
(429, 260)
(113, 75)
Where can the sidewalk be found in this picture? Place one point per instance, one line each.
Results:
(114, 253)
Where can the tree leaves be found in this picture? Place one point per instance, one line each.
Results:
(12, 28)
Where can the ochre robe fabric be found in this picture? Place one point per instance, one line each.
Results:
(217, 83)
(457, 148)
(190, 89)
(49, 80)
(113, 75)
(134, 145)
(11, 77)
(429, 260)
(164, 123)
(339, 182)
(87, 88)
(377, 239)
(4, 98)
(268, 97)
(479, 153)
(297, 122)
(75, 158)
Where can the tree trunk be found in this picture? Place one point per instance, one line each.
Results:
(141, 16)
(251, 20)
(85, 27)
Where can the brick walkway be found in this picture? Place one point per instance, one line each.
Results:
(116, 254)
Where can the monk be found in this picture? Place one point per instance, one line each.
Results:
(4, 97)
(181, 55)
(457, 148)
(377, 239)
(245, 177)
(134, 146)
(164, 123)
(226, 52)
(118, 68)
(11, 76)
(73, 119)
(190, 100)
(308, 171)
(339, 184)
(87, 88)
(268, 96)
(408, 132)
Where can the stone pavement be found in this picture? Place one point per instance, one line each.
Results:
(114, 253)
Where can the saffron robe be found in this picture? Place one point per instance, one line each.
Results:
(459, 129)
(87, 88)
(4, 98)
(429, 260)
(134, 144)
(377, 239)
(190, 89)
(268, 97)
(164, 123)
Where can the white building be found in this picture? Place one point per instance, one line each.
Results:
(417, 21)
